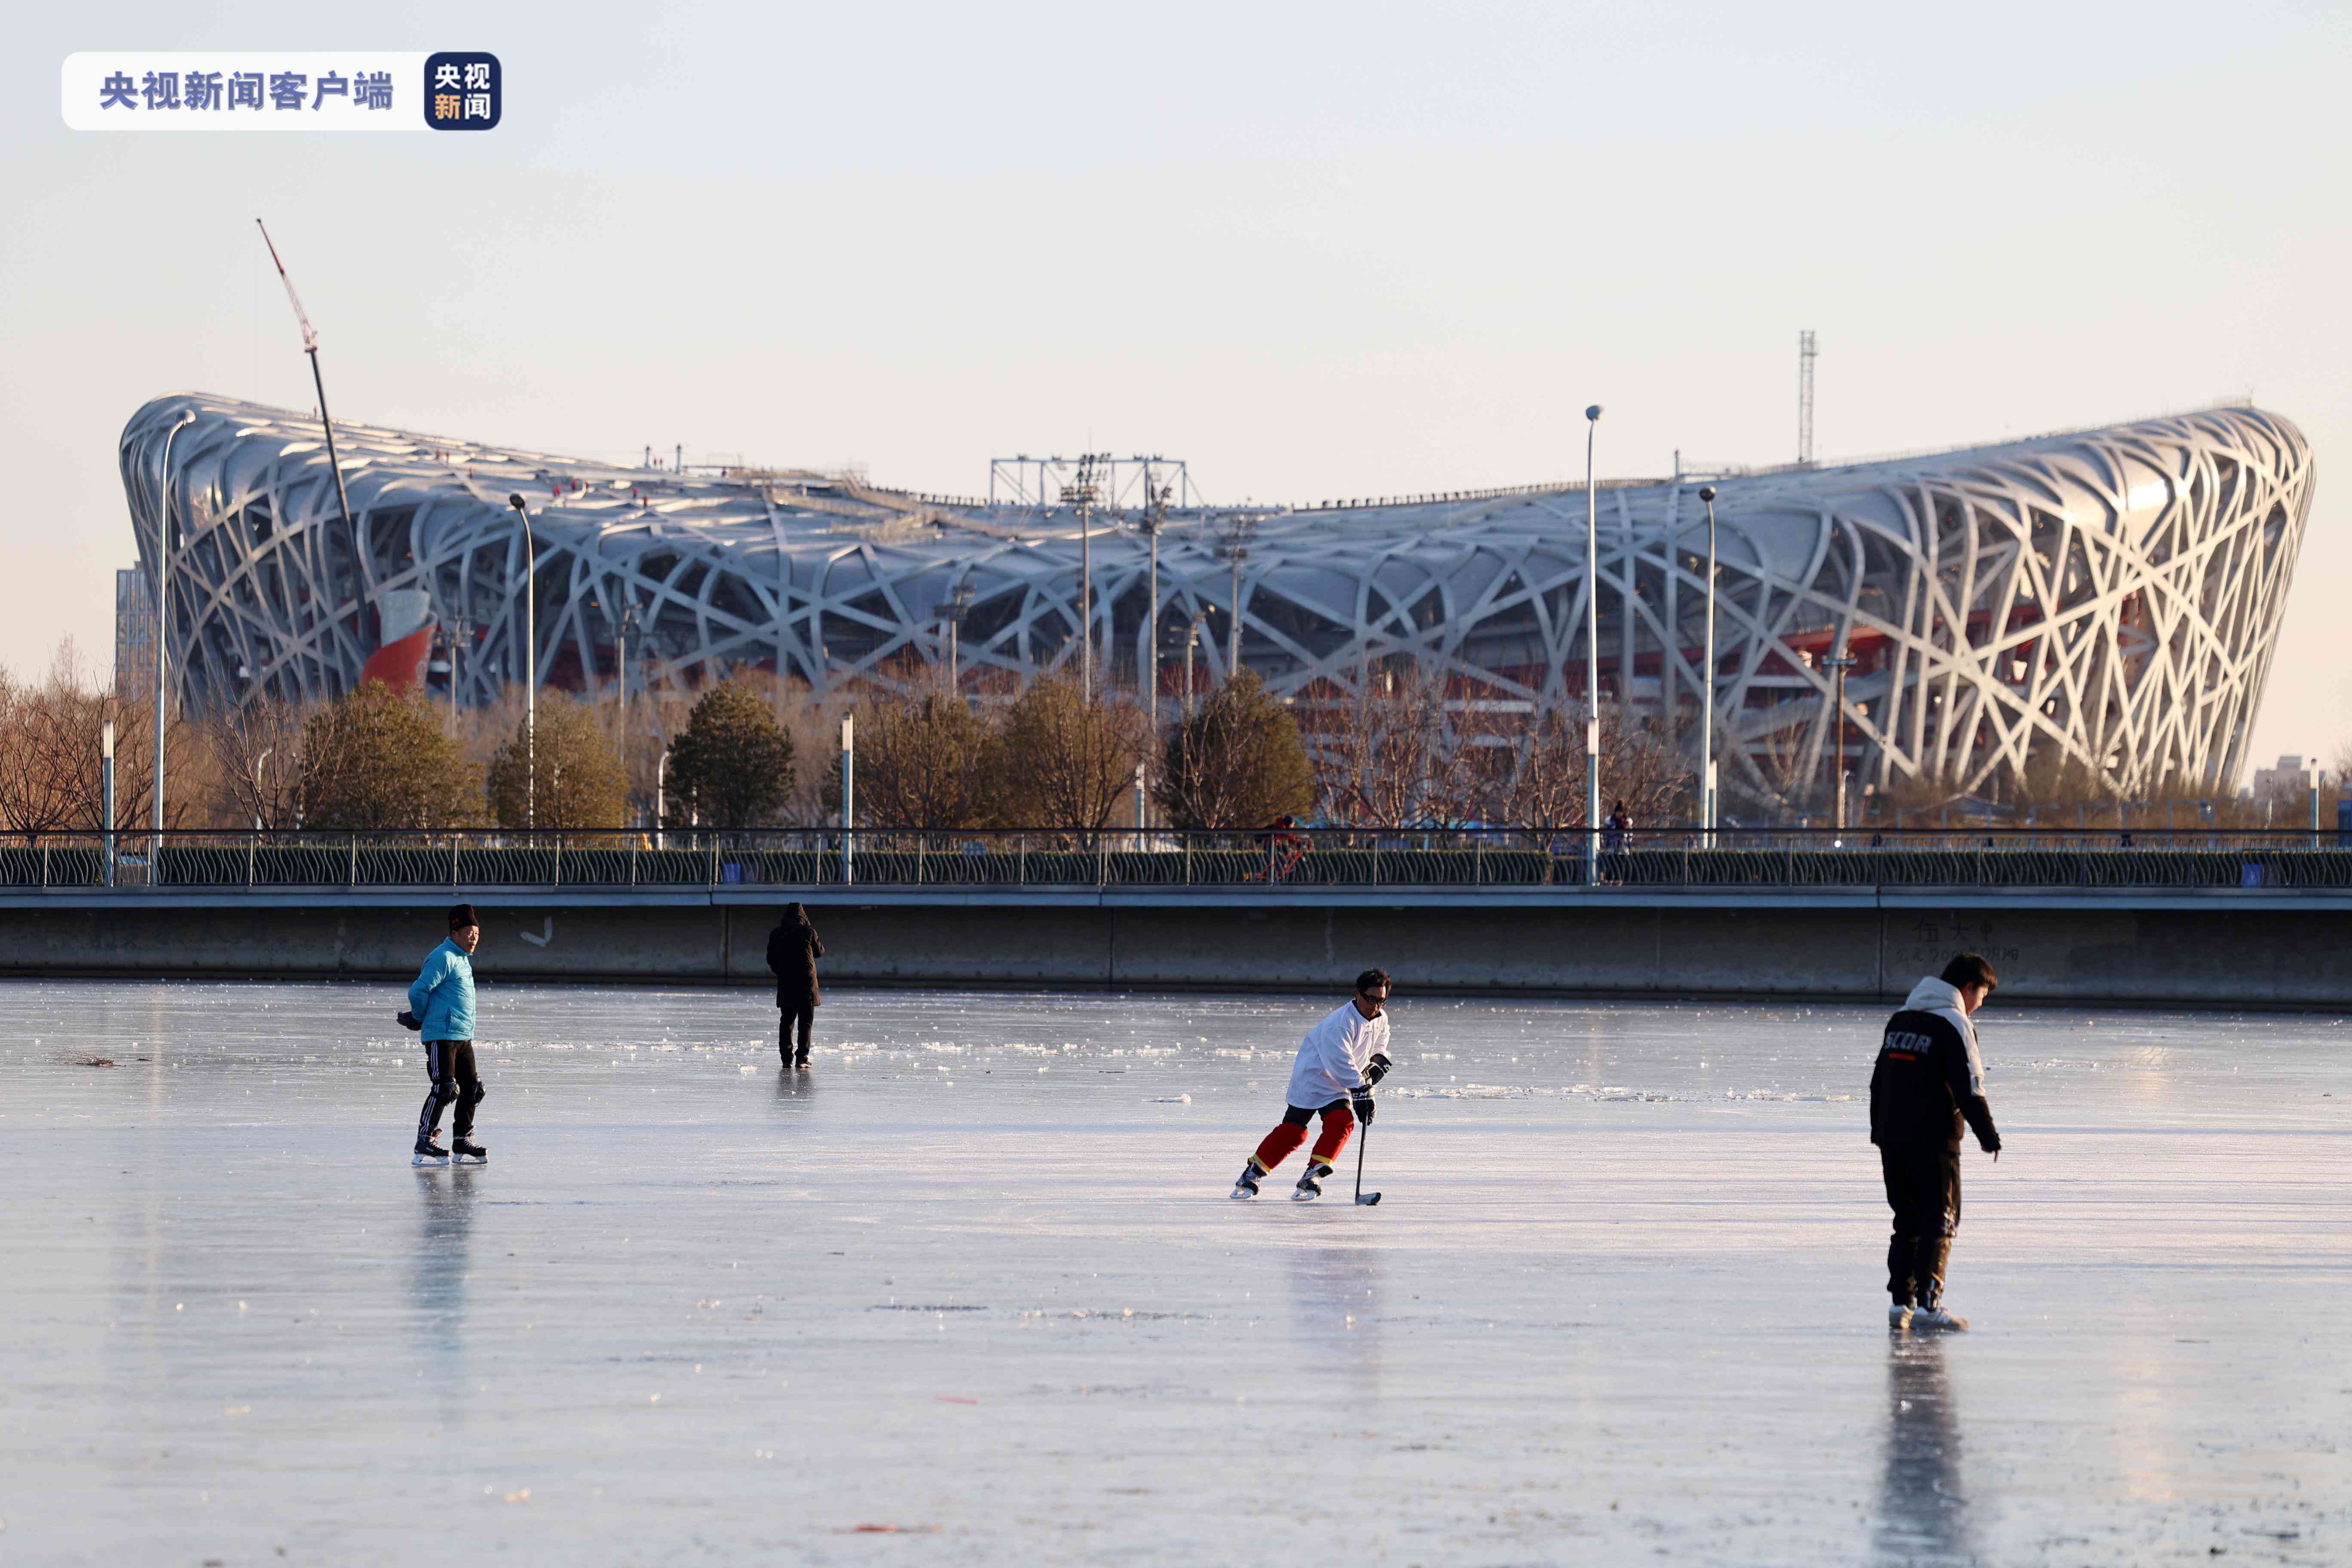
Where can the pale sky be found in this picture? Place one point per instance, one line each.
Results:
(1329, 250)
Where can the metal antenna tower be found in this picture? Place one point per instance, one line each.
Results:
(1806, 354)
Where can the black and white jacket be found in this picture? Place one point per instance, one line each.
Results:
(1929, 1079)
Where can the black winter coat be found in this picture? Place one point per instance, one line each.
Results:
(1919, 1090)
(793, 952)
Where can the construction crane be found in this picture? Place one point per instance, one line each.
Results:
(311, 347)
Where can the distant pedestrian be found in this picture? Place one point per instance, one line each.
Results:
(441, 1008)
(1619, 823)
(1339, 1061)
(794, 948)
(1928, 1082)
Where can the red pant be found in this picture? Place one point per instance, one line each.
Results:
(1338, 1121)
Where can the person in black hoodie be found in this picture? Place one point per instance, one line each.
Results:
(794, 948)
(1929, 1083)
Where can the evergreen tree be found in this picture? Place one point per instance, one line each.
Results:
(731, 766)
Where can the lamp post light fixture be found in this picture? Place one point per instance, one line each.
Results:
(1082, 494)
(1235, 548)
(163, 620)
(1591, 658)
(661, 780)
(1841, 662)
(531, 667)
(848, 797)
(951, 620)
(105, 790)
(1706, 681)
(1192, 647)
(1155, 518)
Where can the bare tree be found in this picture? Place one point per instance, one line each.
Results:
(922, 762)
(1065, 761)
(258, 748)
(51, 775)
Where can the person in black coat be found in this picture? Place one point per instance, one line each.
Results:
(794, 948)
(1928, 1085)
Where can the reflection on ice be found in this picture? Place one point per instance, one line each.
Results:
(1337, 1307)
(1923, 1508)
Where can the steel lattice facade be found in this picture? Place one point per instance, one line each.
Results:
(2106, 597)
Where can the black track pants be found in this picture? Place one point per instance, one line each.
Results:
(450, 1065)
(790, 1017)
(1922, 1187)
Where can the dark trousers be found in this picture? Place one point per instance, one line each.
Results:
(450, 1065)
(1923, 1188)
(801, 1015)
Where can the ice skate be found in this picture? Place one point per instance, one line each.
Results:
(469, 1152)
(428, 1153)
(1939, 1316)
(1899, 1315)
(1310, 1184)
(1246, 1185)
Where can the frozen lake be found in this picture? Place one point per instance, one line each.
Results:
(975, 1276)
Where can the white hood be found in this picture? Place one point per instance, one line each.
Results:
(1943, 998)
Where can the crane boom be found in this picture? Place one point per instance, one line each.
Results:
(360, 563)
(309, 338)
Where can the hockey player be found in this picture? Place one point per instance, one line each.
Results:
(1929, 1080)
(1338, 1062)
(441, 1003)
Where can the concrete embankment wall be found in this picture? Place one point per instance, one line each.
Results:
(2261, 949)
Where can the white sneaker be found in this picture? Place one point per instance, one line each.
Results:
(1937, 1318)
(1898, 1316)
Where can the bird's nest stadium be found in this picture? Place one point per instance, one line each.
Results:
(2106, 599)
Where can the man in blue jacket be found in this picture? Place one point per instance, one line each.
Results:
(442, 1004)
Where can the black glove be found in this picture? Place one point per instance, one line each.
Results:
(1362, 1104)
(408, 1020)
(1378, 1068)
(1992, 1145)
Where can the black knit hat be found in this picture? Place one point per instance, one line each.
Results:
(461, 916)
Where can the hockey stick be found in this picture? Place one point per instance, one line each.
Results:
(1361, 1141)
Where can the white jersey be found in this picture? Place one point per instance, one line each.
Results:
(1332, 1058)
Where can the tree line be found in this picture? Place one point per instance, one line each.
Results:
(1404, 749)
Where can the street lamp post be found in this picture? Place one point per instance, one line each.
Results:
(1841, 662)
(1083, 494)
(162, 622)
(1591, 658)
(531, 666)
(661, 780)
(849, 796)
(1235, 548)
(1192, 647)
(105, 790)
(1155, 515)
(1706, 681)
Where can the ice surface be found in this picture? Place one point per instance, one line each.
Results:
(976, 1277)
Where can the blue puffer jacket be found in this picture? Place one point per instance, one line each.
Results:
(442, 996)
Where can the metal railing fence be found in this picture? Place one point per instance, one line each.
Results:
(1302, 857)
